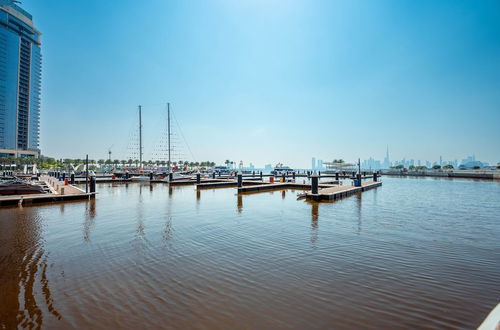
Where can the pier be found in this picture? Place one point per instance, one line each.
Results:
(58, 192)
(337, 192)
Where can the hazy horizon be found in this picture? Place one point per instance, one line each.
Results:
(272, 81)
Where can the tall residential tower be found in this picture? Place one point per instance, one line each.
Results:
(20, 82)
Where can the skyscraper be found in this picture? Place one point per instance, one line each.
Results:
(20, 82)
(387, 161)
(313, 165)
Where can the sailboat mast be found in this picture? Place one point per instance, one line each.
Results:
(168, 128)
(140, 136)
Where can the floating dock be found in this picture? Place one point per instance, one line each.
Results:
(282, 185)
(336, 192)
(58, 192)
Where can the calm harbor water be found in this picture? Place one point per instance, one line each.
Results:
(413, 253)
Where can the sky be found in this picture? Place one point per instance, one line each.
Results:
(268, 81)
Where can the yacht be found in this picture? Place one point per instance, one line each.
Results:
(280, 169)
(221, 170)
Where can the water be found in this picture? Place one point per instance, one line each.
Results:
(412, 253)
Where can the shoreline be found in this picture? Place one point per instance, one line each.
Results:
(495, 175)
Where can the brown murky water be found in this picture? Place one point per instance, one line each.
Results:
(413, 253)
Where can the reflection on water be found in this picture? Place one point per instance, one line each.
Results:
(240, 203)
(358, 209)
(25, 298)
(392, 257)
(314, 222)
(90, 214)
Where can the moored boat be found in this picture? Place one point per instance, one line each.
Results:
(20, 187)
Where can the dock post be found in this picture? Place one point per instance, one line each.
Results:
(198, 178)
(374, 176)
(92, 184)
(319, 173)
(253, 174)
(283, 176)
(337, 176)
(170, 177)
(314, 184)
(64, 176)
(293, 175)
(240, 180)
(151, 176)
(358, 181)
(72, 178)
(261, 175)
(213, 175)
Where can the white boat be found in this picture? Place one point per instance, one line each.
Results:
(175, 176)
(140, 178)
(280, 169)
(221, 170)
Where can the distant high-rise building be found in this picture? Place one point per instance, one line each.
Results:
(387, 161)
(20, 80)
(320, 164)
(313, 165)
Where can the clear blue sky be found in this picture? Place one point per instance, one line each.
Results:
(272, 80)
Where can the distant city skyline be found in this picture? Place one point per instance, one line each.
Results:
(272, 81)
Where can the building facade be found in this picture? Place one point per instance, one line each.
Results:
(20, 82)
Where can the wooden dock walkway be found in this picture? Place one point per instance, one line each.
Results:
(227, 184)
(58, 192)
(336, 192)
(283, 185)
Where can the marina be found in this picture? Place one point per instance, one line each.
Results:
(249, 165)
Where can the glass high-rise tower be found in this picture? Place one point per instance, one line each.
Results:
(20, 82)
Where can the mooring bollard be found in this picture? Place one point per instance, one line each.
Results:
(127, 175)
(319, 173)
(64, 176)
(72, 178)
(92, 184)
(375, 177)
(170, 177)
(62, 191)
(337, 176)
(151, 176)
(213, 175)
(293, 175)
(240, 180)
(261, 175)
(253, 174)
(198, 178)
(314, 184)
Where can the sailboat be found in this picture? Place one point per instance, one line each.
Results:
(142, 176)
(175, 176)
